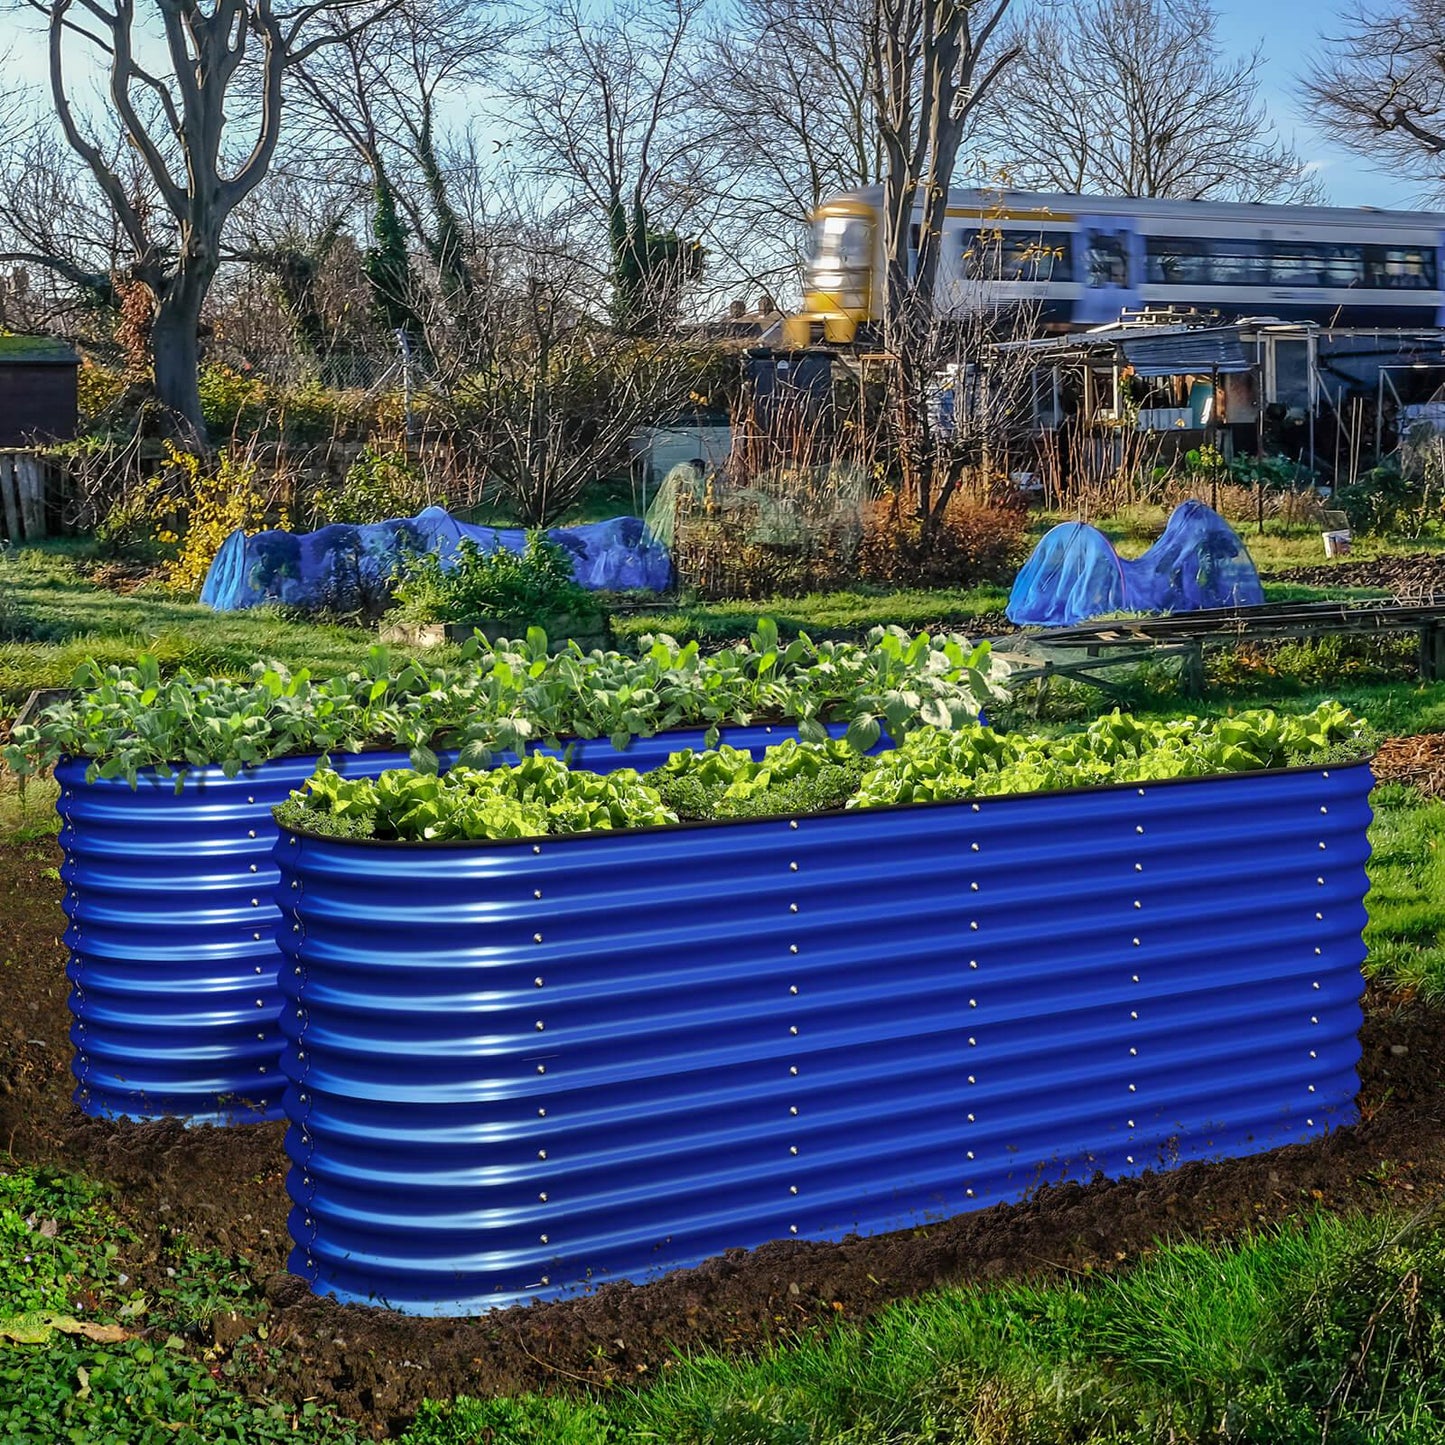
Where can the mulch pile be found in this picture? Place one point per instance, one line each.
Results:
(1419, 761)
(225, 1190)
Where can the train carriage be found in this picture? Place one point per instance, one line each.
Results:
(1078, 261)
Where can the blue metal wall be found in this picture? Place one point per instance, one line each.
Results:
(172, 927)
(517, 1069)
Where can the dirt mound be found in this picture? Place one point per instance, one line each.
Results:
(225, 1190)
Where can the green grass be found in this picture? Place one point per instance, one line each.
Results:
(1334, 1318)
(52, 619)
(1406, 902)
(823, 613)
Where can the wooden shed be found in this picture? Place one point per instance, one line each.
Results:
(37, 390)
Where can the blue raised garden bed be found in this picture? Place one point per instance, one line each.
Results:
(173, 959)
(520, 1069)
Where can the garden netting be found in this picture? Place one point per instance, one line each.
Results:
(345, 568)
(1074, 573)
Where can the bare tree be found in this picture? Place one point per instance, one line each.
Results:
(179, 125)
(1380, 89)
(933, 63)
(551, 402)
(1133, 98)
(784, 84)
(380, 93)
(605, 111)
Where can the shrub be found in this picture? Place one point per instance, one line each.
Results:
(532, 584)
(971, 543)
(212, 504)
(377, 485)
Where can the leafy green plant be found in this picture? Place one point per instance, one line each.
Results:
(791, 777)
(539, 795)
(932, 766)
(477, 584)
(500, 699)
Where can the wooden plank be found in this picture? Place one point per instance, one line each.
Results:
(31, 483)
(10, 497)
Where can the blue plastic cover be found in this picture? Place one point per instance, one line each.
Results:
(1075, 574)
(347, 568)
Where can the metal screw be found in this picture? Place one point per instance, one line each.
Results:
(1320, 881)
(1322, 847)
(973, 1043)
(544, 1239)
(542, 1197)
(1138, 827)
(1315, 984)
(536, 847)
(792, 1229)
(973, 963)
(973, 924)
(969, 1192)
(973, 887)
(250, 800)
(540, 1026)
(973, 847)
(973, 1003)
(970, 1153)
(252, 833)
(972, 1080)
(1324, 810)
(541, 1153)
(538, 981)
(793, 1109)
(792, 948)
(792, 1189)
(792, 1068)
(1128, 1158)
(793, 824)
(1133, 1053)
(793, 1029)
(792, 988)
(1129, 1122)
(970, 1119)
(792, 908)
(536, 893)
(536, 938)
(1134, 977)
(792, 1149)
(253, 868)
(541, 1068)
(1313, 1054)
(1132, 1089)
(1312, 1088)
(541, 1113)
(1313, 1019)
(792, 867)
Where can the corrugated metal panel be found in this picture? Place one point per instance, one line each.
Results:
(173, 955)
(1187, 353)
(172, 927)
(519, 1069)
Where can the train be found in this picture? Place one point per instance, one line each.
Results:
(1073, 262)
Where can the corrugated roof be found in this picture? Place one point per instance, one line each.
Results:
(1187, 353)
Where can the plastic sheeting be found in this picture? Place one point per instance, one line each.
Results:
(1075, 574)
(348, 568)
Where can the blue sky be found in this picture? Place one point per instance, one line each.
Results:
(1287, 32)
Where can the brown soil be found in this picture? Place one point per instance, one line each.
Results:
(1407, 578)
(225, 1190)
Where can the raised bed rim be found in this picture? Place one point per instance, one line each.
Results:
(694, 824)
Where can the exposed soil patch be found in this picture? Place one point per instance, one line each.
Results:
(1407, 578)
(225, 1190)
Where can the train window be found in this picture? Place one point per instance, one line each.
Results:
(1237, 261)
(997, 255)
(1315, 263)
(1400, 268)
(1106, 259)
(840, 241)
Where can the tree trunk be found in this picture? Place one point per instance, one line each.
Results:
(175, 345)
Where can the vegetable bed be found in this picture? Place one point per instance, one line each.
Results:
(520, 1065)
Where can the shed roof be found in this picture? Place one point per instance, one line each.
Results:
(16, 350)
